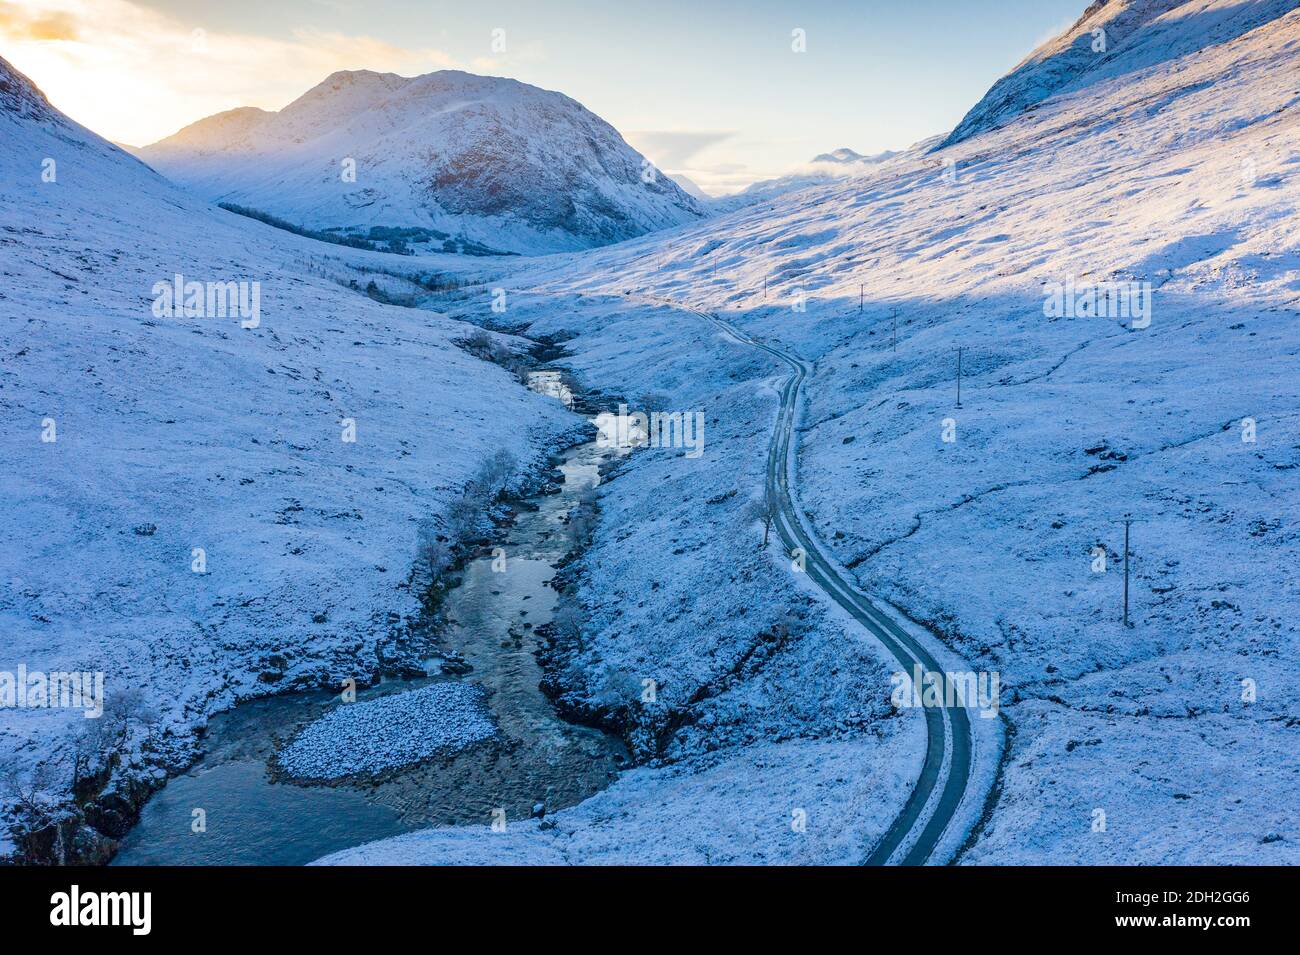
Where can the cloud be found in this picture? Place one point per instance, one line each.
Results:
(23, 23)
(721, 180)
(671, 149)
(135, 75)
(687, 152)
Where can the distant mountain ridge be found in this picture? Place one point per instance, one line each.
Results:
(822, 169)
(493, 161)
(842, 155)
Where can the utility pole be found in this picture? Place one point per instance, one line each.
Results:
(1128, 522)
(862, 291)
(959, 376)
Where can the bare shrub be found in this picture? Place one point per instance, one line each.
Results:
(433, 553)
(567, 621)
(480, 345)
(758, 511)
(496, 473)
(35, 806)
(653, 401)
(466, 518)
(583, 517)
(127, 713)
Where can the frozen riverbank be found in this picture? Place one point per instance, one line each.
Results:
(471, 746)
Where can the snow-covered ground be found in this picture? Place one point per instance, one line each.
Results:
(199, 529)
(1175, 163)
(801, 802)
(753, 705)
(762, 708)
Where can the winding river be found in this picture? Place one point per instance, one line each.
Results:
(250, 817)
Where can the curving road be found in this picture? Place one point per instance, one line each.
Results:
(914, 835)
(916, 832)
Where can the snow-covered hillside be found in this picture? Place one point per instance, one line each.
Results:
(1111, 39)
(1161, 170)
(1171, 741)
(501, 163)
(183, 509)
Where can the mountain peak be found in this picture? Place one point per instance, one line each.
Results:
(841, 155)
(507, 165)
(20, 96)
(361, 78)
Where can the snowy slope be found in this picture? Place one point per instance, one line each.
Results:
(1173, 741)
(1110, 39)
(505, 164)
(173, 434)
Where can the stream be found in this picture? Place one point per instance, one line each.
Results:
(249, 818)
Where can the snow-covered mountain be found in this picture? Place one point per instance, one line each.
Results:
(497, 162)
(1112, 38)
(845, 155)
(690, 187)
(136, 438)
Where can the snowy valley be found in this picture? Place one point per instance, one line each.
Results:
(960, 374)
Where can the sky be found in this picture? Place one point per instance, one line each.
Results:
(712, 89)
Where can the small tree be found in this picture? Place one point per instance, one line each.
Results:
(582, 517)
(653, 401)
(33, 805)
(432, 552)
(465, 515)
(567, 621)
(479, 344)
(497, 472)
(756, 510)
